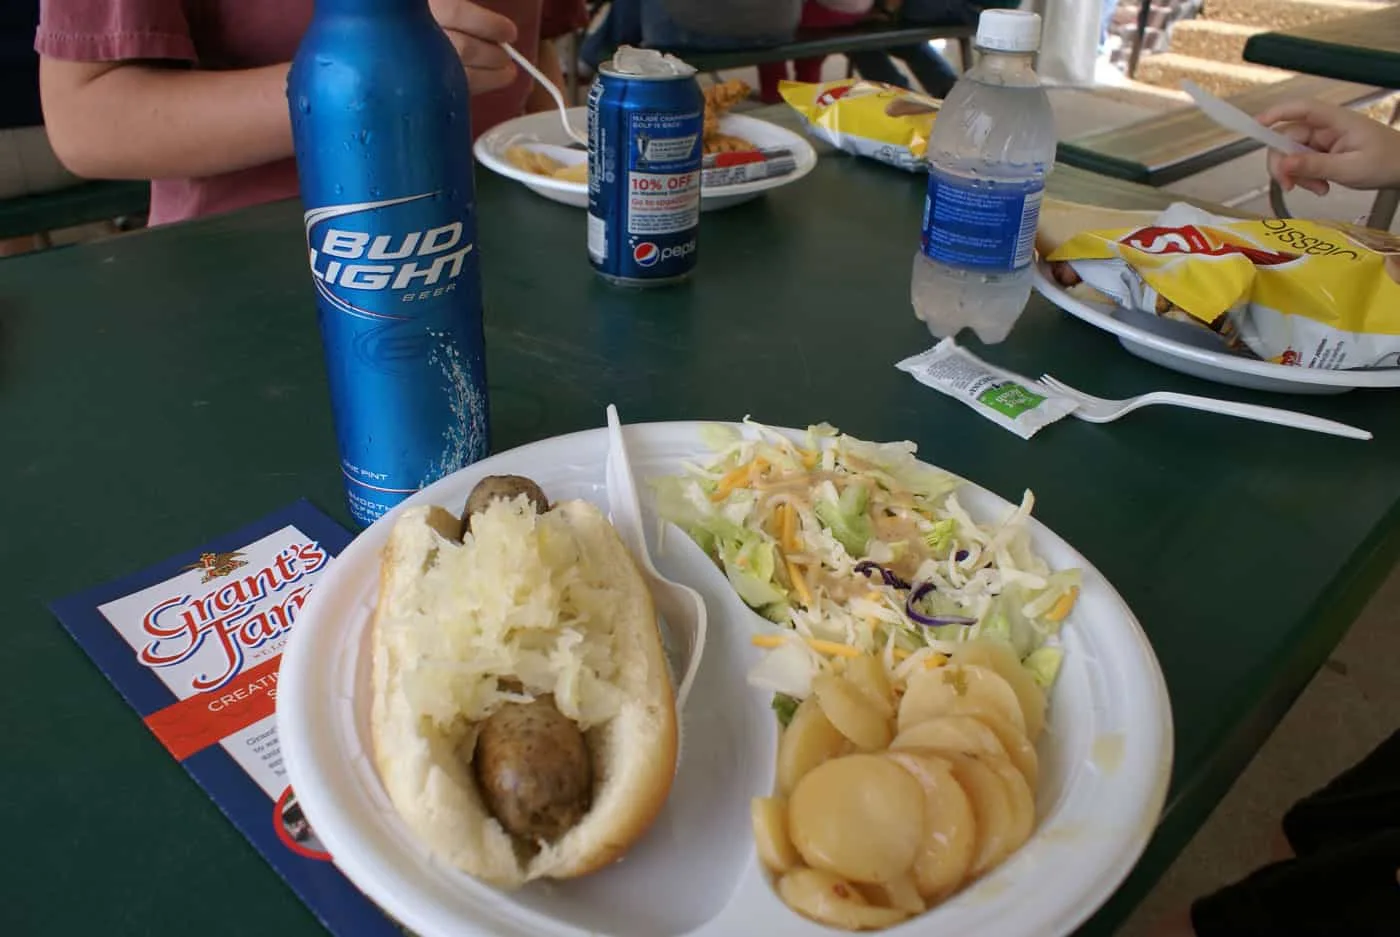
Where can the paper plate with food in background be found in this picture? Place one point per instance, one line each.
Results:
(945, 720)
(1280, 305)
(535, 151)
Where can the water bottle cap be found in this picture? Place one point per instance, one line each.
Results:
(1008, 31)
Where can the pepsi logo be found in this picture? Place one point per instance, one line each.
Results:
(646, 254)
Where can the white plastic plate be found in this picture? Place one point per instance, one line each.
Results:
(544, 127)
(1105, 756)
(1189, 350)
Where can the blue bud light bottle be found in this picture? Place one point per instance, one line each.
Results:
(382, 128)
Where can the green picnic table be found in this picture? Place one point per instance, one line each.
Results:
(1363, 48)
(161, 388)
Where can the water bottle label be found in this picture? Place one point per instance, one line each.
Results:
(988, 226)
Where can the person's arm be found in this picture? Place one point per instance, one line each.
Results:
(112, 120)
(1350, 148)
(130, 120)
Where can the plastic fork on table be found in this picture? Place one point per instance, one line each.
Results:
(681, 609)
(1098, 410)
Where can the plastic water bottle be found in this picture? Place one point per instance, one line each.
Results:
(992, 147)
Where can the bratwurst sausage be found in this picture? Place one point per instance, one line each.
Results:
(493, 487)
(533, 767)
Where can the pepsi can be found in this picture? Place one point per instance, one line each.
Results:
(645, 146)
(382, 130)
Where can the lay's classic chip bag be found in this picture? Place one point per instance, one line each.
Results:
(1315, 294)
(867, 118)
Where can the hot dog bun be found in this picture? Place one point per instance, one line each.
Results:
(424, 757)
(1061, 220)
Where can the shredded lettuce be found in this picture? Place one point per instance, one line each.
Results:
(940, 537)
(1044, 664)
(792, 519)
(785, 706)
(847, 519)
(750, 564)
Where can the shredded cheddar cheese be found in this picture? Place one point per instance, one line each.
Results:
(789, 529)
(1061, 609)
(829, 648)
(804, 594)
(837, 649)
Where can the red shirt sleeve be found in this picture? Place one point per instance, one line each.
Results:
(562, 17)
(113, 30)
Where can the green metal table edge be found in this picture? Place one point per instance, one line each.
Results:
(1342, 62)
(1083, 157)
(64, 208)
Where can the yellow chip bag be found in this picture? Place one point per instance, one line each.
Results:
(867, 118)
(1316, 294)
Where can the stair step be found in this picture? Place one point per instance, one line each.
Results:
(1221, 78)
(1284, 14)
(1207, 39)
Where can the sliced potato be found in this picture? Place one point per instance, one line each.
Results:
(901, 893)
(958, 690)
(860, 817)
(770, 834)
(991, 811)
(963, 734)
(950, 828)
(827, 899)
(851, 712)
(1018, 747)
(868, 675)
(999, 656)
(809, 740)
(1020, 799)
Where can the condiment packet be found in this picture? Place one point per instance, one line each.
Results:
(721, 169)
(1011, 401)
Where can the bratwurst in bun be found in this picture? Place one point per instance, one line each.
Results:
(523, 719)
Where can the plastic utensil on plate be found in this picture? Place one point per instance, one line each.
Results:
(681, 609)
(1231, 117)
(548, 85)
(1099, 410)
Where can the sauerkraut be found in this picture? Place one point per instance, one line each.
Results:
(517, 600)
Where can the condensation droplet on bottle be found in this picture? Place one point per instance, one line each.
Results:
(304, 104)
(366, 136)
(375, 192)
(339, 189)
(324, 60)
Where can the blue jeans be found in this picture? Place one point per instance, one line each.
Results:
(1106, 20)
(931, 69)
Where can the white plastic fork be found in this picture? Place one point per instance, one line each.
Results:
(1098, 410)
(549, 86)
(681, 609)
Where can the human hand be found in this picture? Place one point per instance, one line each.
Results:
(477, 33)
(1352, 149)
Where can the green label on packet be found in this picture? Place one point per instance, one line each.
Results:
(1010, 398)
